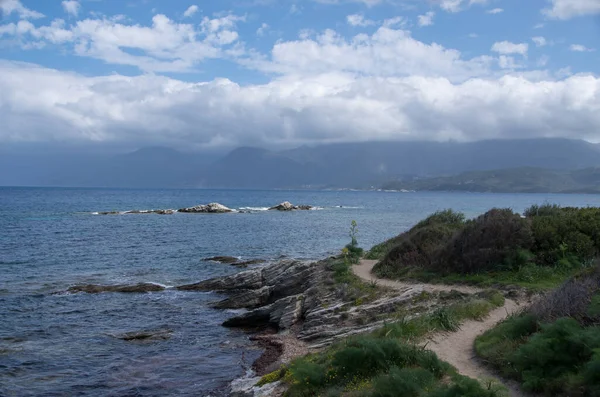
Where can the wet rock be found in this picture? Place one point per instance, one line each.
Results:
(251, 279)
(246, 299)
(212, 208)
(136, 288)
(286, 278)
(164, 212)
(151, 335)
(287, 206)
(109, 213)
(223, 259)
(232, 260)
(282, 314)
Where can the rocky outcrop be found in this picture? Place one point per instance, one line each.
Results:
(304, 297)
(212, 208)
(136, 288)
(287, 206)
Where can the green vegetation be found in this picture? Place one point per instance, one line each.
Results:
(379, 367)
(388, 362)
(554, 347)
(445, 318)
(352, 252)
(511, 180)
(537, 251)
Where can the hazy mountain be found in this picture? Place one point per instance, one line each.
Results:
(358, 165)
(511, 180)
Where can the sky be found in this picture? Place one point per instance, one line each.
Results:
(201, 75)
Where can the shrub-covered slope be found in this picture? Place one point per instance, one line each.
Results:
(547, 241)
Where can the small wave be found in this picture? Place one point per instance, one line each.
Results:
(254, 208)
(316, 208)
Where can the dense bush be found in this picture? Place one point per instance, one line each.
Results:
(551, 359)
(561, 233)
(486, 242)
(548, 236)
(420, 246)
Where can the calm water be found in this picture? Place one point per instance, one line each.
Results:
(61, 344)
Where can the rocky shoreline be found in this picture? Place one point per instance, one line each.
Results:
(291, 308)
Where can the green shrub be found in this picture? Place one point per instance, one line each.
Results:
(307, 377)
(486, 242)
(419, 246)
(408, 382)
(497, 344)
(551, 356)
(466, 387)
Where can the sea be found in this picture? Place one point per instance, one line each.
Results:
(54, 343)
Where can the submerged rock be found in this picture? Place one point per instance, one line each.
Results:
(223, 259)
(159, 334)
(136, 288)
(109, 213)
(287, 206)
(213, 208)
(232, 260)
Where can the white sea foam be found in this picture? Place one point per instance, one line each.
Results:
(254, 208)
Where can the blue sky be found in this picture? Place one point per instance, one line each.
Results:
(225, 73)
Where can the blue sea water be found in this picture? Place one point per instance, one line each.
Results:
(62, 345)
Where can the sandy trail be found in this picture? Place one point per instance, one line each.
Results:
(456, 348)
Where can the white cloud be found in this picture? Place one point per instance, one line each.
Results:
(164, 46)
(359, 20)
(539, 41)
(580, 48)
(41, 105)
(473, 35)
(262, 29)
(190, 11)
(538, 26)
(495, 11)
(567, 9)
(506, 47)
(459, 5)
(426, 19)
(15, 6)
(71, 7)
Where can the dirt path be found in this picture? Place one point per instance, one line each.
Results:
(457, 348)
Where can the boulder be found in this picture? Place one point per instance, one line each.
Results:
(285, 206)
(164, 212)
(136, 288)
(212, 208)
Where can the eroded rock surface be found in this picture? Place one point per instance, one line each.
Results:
(303, 296)
(287, 206)
(212, 208)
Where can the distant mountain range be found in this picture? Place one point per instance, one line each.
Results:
(344, 165)
(512, 180)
